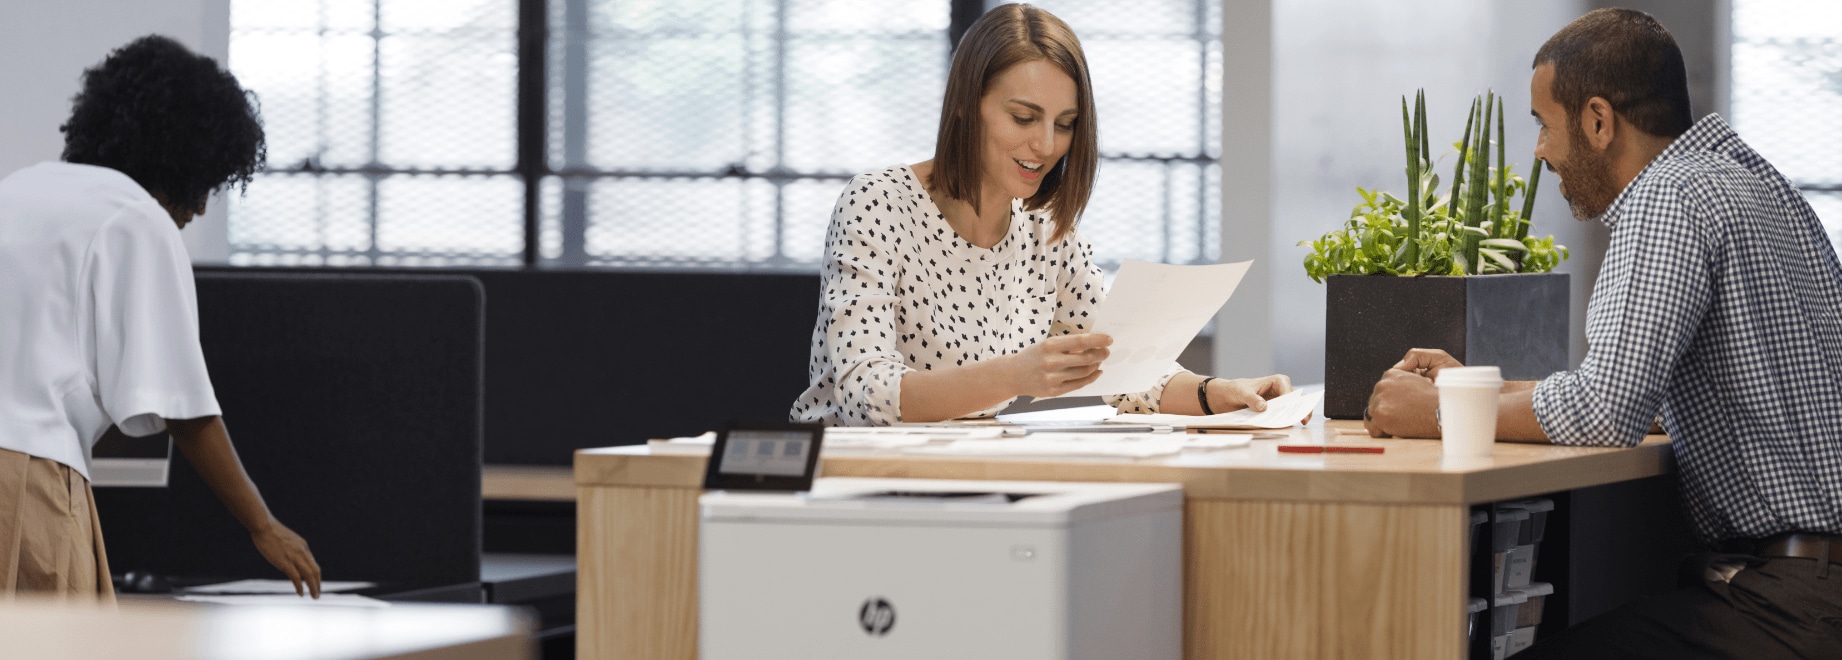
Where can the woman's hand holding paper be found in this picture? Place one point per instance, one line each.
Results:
(1058, 365)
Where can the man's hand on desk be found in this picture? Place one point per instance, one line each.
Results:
(1403, 405)
(1405, 402)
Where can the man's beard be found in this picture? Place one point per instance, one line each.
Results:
(1588, 175)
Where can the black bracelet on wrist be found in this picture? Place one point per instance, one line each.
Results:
(1202, 396)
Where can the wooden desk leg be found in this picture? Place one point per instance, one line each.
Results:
(636, 581)
(1323, 580)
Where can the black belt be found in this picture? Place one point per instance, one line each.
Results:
(1803, 545)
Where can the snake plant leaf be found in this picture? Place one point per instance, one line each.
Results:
(1479, 188)
(1464, 148)
(1501, 207)
(1528, 200)
(1408, 254)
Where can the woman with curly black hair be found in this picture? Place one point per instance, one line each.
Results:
(98, 320)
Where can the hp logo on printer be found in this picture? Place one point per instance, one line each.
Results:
(876, 616)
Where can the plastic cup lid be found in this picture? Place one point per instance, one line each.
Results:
(1478, 605)
(1479, 517)
(1509, 598)
(1470, 377)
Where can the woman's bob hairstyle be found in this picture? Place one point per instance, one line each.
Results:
(1005, 37)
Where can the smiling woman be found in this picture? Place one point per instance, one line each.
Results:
(955, 285)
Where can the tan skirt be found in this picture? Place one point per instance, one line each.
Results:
(50, 538)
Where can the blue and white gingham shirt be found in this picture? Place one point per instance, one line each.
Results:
(1720, 306)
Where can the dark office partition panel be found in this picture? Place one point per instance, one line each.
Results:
(592, 358)
(596, 357)
(356, 402)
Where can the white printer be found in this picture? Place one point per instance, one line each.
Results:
(914, 568)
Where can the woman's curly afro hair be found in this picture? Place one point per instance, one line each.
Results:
(172, 120)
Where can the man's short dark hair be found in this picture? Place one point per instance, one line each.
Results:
(172, 120)
(1627, 58)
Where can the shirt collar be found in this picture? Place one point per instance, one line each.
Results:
(1708, 134)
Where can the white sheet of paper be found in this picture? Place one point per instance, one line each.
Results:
(274, 587)
(1284, 411)
(1152, 312)
(1077, 414)
(1116, 445)
(325, 600)
(1222, 441)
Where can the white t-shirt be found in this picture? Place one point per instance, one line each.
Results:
(98, 314)
(903, 292)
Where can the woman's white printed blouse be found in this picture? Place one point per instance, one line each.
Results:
(903, 292)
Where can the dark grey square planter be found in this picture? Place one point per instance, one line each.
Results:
(1516, 322)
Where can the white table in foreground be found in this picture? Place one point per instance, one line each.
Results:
(50, 630)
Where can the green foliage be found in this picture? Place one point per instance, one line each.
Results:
(1469, 231)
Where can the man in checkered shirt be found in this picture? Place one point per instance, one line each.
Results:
(1719, 308)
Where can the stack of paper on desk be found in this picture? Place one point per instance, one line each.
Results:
(1073, 444)
(1282, 412)
(325, 600)
(273, 587)
(1112, 445)
(860, 437)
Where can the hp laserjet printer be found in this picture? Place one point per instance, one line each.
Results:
(914, 568)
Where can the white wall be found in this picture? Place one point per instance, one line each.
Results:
(46, 44)
(1338, 69)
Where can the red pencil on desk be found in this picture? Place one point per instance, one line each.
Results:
(1330, 449)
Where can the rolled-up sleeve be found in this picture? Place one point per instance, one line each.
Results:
(857, 321)
(1652, 292)
(1082, 286)
(148, 364)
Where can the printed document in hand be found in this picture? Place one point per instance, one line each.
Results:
(1281, 412)
(1152, 311)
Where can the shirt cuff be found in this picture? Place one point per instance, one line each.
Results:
(876, 400)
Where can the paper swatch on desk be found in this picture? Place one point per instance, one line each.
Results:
(325, 600)
(1108, 445)
(273, 587)
(903, 435)
(1152, 311)
(1223, 441)
(1283, 411)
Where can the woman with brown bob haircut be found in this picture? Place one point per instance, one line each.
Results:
(955, 285)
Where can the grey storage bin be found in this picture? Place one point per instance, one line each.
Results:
(1473, 608)
(1505, 608)
(1505, 532)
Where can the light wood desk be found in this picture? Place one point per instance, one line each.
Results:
(1285, 555)
(55, 630)
(530, 483)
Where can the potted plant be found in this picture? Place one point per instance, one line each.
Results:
(1458, 272)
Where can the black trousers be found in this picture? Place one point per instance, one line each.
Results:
(1774, 608)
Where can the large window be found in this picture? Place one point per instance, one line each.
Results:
(721, 131)
(669, 133)
(392, 132)
(1157, 71)
(1787, 94)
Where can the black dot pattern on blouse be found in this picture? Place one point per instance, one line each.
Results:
(902, 292)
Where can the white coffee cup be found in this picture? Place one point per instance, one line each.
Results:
(1468, 409)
